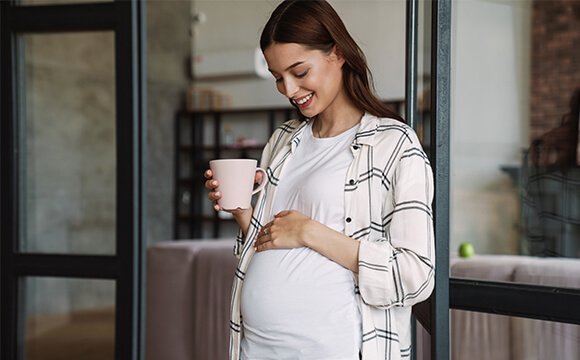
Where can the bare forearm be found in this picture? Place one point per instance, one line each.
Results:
(334, 245)
(243, 218)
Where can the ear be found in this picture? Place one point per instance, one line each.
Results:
(338, 56)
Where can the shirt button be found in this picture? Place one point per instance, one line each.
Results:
(348, 219)
(351, 182)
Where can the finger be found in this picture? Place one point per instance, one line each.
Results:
(282, 214)
(261, 247)
(266, 229)
(214, 195)
(211, 184)
(258, 177)
(208, 174)
(262, 243)
(216, 207)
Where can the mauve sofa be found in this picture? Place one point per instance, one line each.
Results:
(189, 284)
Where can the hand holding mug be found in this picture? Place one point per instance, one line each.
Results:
(231, 183)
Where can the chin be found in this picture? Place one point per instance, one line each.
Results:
(309, 113)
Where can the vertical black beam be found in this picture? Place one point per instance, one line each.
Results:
(130, 87)
(142, 127)
(8, 185)
(196, 221)
(218, 152)
(178, 191)
(440, 142)
(271, 121)
(411, 100)
(411, 64)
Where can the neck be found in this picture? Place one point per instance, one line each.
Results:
(329, 125)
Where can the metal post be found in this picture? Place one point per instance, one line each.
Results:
(411, 102)
(440, 142)
(411, 64)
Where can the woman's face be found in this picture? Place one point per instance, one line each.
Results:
(310, 78)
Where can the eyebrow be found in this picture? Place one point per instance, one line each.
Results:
(291, 66)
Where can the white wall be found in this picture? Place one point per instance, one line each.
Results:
(378, 26)
(490, 102)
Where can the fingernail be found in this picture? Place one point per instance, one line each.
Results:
(214, 183)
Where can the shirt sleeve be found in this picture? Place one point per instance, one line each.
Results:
(398, 270)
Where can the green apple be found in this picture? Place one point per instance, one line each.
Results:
(466, 250)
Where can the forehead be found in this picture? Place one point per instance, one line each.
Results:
(280, 56)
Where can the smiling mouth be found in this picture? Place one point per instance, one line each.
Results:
(303, 100)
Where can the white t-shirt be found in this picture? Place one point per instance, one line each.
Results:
(296, 303)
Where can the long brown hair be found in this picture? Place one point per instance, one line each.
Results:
(316, 25)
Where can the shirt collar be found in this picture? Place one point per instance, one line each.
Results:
(295, 138)
(367, 130)
(364, 136)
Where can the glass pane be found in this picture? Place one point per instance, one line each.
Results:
(68, 151)
(69, 319)
(515, 186)
(479, 336)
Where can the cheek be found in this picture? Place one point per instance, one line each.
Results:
(280, 87)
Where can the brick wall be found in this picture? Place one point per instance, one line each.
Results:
(555, 63)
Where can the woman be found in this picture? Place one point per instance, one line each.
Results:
(340, 243)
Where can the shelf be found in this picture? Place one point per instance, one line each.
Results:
(238, 111)
(204, 217)
(220, 147)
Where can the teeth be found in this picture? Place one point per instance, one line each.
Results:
(302, 101)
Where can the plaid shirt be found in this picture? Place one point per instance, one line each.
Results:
(388, 194)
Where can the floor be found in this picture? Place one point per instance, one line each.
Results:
(86, 335)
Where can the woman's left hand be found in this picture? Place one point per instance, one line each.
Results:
(288, 230)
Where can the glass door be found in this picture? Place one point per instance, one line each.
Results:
(72, 190)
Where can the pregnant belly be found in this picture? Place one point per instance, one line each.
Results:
(301, 295)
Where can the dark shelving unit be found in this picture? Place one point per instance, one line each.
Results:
(192, 156)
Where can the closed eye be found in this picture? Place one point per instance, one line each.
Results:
(302, 75)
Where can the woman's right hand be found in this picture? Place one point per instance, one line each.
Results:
(212, 184)
(242, 216)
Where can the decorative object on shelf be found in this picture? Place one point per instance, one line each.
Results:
(228, 135)
(205, 99)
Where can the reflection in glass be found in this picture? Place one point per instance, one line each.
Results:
(479, 336)
(69, 319)
(515, 174)
(68, 137)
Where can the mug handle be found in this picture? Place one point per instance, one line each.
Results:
(264, 177)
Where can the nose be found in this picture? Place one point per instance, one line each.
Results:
(289, 88)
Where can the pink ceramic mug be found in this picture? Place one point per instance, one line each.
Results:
(236, 178)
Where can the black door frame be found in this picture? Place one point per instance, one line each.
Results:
(434, 314)
(126, 19)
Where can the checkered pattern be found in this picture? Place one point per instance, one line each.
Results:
(388, 194)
